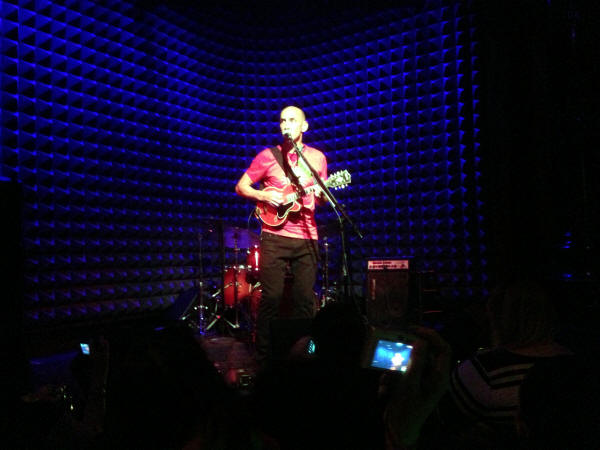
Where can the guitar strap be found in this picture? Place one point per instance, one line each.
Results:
(278, 157)
(286, 168)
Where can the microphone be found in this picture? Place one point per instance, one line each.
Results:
(287, 136)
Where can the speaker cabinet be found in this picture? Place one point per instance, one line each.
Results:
(392, 298)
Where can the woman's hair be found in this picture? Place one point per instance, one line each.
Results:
(521, 313)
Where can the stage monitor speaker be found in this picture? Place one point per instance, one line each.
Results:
(392, 298)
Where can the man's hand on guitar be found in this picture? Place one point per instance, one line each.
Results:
(272, 210)
(273, 198)
(320, 194)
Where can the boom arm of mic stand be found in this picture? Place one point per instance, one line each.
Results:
(338, 209)
(328, 193)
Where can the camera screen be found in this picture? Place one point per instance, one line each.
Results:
(310, 347)
(391, 355)
(85, 348)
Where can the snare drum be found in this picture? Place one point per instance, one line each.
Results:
(244, 288)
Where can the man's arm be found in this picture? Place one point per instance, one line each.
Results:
(244, 188)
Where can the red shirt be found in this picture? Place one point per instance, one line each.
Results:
(265, 168)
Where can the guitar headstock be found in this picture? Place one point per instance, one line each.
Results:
(339, 179)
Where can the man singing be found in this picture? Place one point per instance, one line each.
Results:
(295, 240)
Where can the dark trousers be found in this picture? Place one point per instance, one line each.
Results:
(275, 253)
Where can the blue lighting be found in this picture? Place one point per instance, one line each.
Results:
(129, 127)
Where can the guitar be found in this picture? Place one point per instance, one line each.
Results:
(277, 216)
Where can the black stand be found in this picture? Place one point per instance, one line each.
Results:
(201, 317)
(197, 307)
(216, 317)
(342, 215)
(325, 286)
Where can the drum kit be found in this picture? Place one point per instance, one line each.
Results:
(240, 292)
(233, 305)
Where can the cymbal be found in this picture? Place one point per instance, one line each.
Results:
(240, 237)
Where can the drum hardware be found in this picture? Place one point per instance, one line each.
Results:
(252, 261)
(238, 284)
(230, 237)
(325, 288)
(195, 315)
(200, 312)
(200, 306)
(206, 306)
(234, 301)
(236, 237)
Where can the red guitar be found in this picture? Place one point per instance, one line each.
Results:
(277, 216)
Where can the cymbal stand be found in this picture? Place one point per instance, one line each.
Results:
(193, 316)
(234, 285)
(340, 212)
(200, 307)
(201, 317)
(236, 250)
(325, 287)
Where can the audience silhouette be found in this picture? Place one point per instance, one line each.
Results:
(327, 400)
(560, 405)
(322, 400)
(483, 399)
(157, 389)
(164, 393)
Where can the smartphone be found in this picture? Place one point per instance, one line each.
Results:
(310, 347)
(85, 348)
(388, 350)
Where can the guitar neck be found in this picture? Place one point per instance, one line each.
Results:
(293, 197)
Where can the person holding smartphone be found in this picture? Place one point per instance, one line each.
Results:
(412, 395)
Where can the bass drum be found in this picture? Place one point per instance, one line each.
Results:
(253, 301)
(244, 288)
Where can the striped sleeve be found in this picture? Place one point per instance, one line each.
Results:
(483, 391)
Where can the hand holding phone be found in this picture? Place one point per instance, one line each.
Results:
(391, 355)
(412, 397)
(85, 348)
(388, 350)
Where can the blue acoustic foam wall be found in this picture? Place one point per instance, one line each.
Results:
(128, 128)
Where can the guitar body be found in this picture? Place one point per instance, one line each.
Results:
(275, 217)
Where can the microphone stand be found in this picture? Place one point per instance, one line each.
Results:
(339, 210)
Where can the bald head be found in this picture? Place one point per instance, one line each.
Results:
(292, 121)
(293, 110)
